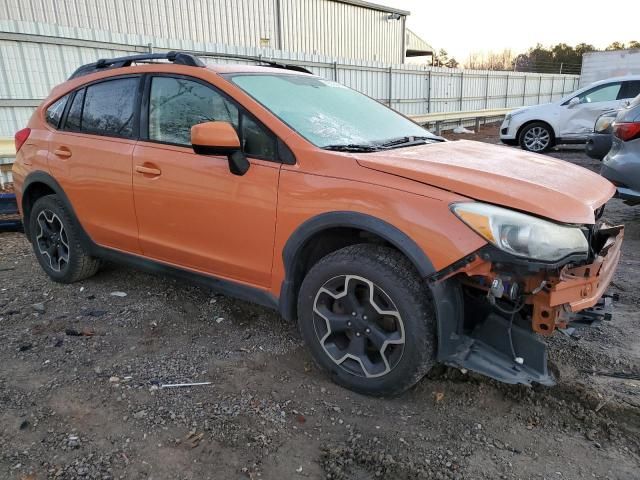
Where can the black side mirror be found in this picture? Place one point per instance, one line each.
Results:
(220, 138)
(238, 163)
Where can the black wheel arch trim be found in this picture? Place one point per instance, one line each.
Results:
(347, 219)
(38, 176)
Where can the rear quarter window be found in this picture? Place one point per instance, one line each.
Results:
(53, 115)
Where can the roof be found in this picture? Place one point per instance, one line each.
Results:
(374, 6)
(614, 79)
(416, 46)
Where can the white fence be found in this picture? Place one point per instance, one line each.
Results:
(35, 56)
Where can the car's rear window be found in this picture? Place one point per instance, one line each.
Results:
(109, 108)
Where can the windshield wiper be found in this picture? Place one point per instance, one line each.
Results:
(406, 141)
(352, 147)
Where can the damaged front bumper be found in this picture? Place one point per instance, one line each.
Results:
(501, 339)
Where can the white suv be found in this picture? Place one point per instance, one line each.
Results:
(570, 120)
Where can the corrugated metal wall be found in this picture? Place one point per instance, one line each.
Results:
(312, 26)
(600, 65)
(34, 57)
(230, 22)
(341, 30)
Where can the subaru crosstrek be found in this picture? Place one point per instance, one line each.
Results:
(391, 248)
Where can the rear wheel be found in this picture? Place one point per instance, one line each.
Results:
(56, 242)
(537, 137)
(368, 319)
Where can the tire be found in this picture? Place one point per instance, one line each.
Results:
(56, 242)
(400, 322)
(536, 137)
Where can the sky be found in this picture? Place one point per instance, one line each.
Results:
(465, 26)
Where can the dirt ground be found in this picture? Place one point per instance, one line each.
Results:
(81, 372)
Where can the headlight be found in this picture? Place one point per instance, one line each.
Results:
(520, 234)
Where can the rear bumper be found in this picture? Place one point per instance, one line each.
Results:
(623, 174)
(628, 194)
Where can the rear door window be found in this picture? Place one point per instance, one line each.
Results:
(629, 90)
(109, 108)
(55, 111)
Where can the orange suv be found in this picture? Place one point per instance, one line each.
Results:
(391, 248)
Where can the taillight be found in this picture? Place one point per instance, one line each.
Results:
(21, 137)
(626, 131)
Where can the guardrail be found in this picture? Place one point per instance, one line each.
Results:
(446, 117)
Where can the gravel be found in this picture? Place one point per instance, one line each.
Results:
(89, 404)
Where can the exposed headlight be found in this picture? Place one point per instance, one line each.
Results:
(522, 235)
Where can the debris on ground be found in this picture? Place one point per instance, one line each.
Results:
(91, 406)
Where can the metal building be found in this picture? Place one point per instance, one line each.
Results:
(348, 29)
(416, 47)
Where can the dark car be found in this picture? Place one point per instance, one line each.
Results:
(621, 166)
(599, 142)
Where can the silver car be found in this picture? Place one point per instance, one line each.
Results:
(621, 166)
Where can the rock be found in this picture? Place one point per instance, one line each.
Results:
(114, 379)
(219, 320)
(118, 294)
(73, 441)
(25, 346)
(39, 307)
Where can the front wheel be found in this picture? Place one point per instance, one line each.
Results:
(537, 137)
(368, 319)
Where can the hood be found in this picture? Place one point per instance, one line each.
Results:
(531, 108)
(500, 175)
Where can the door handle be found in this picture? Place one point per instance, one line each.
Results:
(153, 171)
(62, 152)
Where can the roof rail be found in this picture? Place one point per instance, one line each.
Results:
(287, 66)
(178, 58)
(259, 60)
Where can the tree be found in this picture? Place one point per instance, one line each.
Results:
(491, 60)
(615, 46)
(557, 58)
(634, 44)
(583, 48)
(441, 58)
(452, 63)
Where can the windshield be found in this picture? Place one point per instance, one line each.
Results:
(329, 114)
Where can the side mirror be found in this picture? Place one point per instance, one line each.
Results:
(573, 102)
(220, 138)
